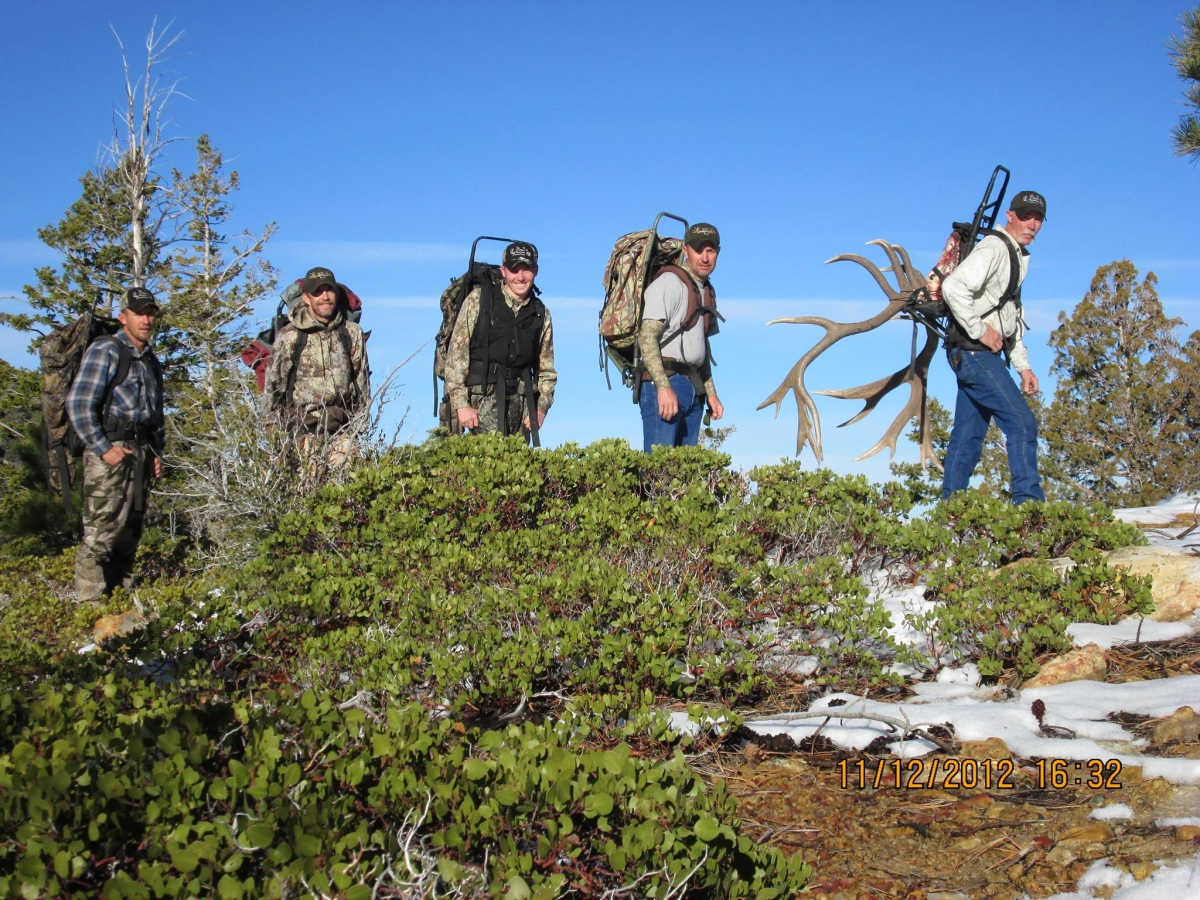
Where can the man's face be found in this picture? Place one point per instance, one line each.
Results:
(1024, 227)
(519, 280)
(702, 261)
(321, 304)
(138, 325)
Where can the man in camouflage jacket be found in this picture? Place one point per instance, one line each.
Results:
(494, 363)
(319, 376)
(123, 445)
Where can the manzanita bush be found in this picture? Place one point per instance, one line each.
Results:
(447, 677)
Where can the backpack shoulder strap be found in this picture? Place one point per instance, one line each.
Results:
(696, 303)
(1012, 293)
(301, 342)
(124, 360)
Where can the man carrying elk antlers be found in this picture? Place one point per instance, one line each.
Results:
(984, 335)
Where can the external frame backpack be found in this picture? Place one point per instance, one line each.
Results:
(928, 306)
(637, 259)
(451, 303)
(257, 354)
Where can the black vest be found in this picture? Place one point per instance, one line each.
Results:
(504, 345)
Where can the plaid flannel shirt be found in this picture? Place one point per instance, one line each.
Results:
(137, 398)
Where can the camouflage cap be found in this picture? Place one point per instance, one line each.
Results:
(702, 233)
(138, 299)
(520, 253)
(317, 276)
(1026, 202)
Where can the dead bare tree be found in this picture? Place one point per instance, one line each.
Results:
(910, 289)
(138, 143)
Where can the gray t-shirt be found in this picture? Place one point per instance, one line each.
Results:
(666, 299)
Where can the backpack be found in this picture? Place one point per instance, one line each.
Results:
(451, 303)
(61, 357)
(637, 259)
(928, 305)
(257, 354)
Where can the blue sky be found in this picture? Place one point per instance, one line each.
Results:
(383, 137)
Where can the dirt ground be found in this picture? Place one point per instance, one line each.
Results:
(992, 842)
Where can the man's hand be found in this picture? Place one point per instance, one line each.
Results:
(715, 407)
(668, 404)
(992, 339)
(541, 419)
(1029, 382)
(468, 416)
(116, 455)
(159, 467)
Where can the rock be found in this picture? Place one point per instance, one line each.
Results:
(109, 627)
(1093, 831)
(1085, 664)
(1142, 870)
(1176, 586)
(992, 748)
(1187, 833)
(1061, 856)
(1182, 727)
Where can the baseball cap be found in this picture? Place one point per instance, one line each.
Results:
(1026, 202)
(138, 299)
(702, 233)
(317, 276)
(520, 253)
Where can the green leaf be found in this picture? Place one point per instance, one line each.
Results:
(518, 889)
(185, 859)
(257, 836)
(707, 829)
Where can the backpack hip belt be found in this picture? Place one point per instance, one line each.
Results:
(687, 370)
(119, 428)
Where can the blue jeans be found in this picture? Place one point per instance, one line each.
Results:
(987, 391)
(681, 431)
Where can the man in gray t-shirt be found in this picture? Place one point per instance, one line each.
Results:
(679, 314)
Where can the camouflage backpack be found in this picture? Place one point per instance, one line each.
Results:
(61, 356)
(257, 354)
(451, 303)
(635, 260)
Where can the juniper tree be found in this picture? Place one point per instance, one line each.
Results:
(1114, 431)
(1185, 54)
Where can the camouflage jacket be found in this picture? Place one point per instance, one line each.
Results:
(458, 354)
(325, 378)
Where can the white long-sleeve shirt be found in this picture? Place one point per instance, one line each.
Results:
(977, 285)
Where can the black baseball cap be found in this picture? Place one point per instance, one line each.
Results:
(1026, 202)
(702, 233)
(520, 253)
(138, 299)
(317, 276)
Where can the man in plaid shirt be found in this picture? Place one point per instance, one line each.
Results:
(121, 428)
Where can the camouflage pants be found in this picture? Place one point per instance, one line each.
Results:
(112, 527)
(319, 453)
(489, 412)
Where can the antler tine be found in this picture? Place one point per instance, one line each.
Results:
(907, 278)
(808, 420)
(914, 376)
(876, 273)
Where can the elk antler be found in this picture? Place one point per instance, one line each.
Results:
(808, 424)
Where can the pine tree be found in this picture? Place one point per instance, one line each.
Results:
(1114, 430)
(1185, 54)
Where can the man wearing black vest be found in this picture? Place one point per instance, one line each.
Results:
(983, 339)
(500, 362)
